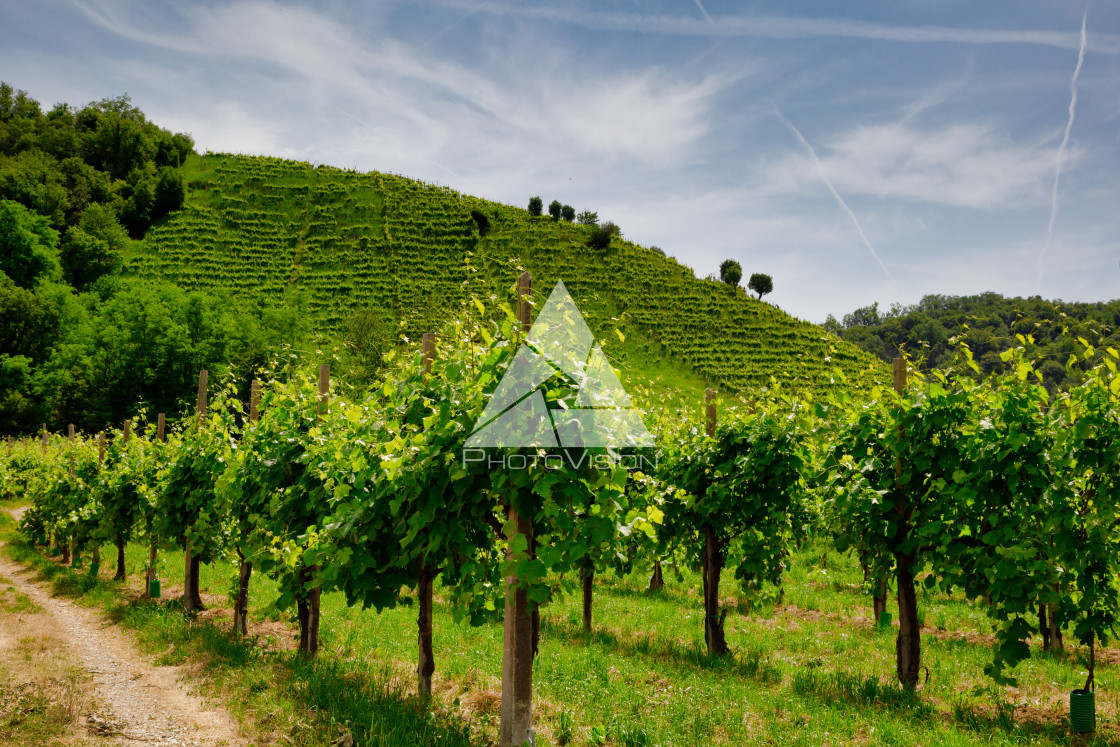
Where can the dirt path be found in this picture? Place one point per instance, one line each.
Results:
(129, 700)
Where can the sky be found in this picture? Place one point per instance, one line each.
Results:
(857, 152)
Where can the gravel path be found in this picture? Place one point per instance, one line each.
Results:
(136, 701)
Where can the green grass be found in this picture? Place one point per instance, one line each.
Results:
(809, 672)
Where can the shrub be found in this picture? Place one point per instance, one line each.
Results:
(730, 272)
(482, 221)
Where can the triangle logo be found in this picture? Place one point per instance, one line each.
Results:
(560, 344)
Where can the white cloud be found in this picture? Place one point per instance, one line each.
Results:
(761, 25)
(964, 165)
(648, 116)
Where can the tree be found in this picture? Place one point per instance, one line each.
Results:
(730, 272)
(761, 284)
(568, 213)
(94, 247)
(169, 192)
(587, 218)
(554, 209)
(866, 316)
(535, 206)
(738, 492)
(600, 236)
(28, 245)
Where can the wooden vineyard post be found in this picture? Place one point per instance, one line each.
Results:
(908, 645)
(153, 543)
(879, 597)
(120, 538)
(95, 561)
(52, 541)
(307, 603)
(425, 576)
(245, 572)
(72, 436)
(712, 559)
(192, 597)
(517, 648)
(68, 543)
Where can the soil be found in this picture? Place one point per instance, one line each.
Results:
(118, 696)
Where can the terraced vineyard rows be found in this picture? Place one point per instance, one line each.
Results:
(255, 226)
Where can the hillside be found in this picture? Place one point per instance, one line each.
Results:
(381, 246)
(988, 323)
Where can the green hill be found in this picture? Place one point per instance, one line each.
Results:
(362, 244)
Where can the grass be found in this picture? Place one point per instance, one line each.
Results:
(810, 671)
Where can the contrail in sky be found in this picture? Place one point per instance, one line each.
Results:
(828, 183)
(1063, 152)
(701, 7)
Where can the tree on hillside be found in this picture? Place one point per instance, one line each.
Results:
(568, 213)
(730, 272)
(866, 316)
(554, 209)
(588, 218)
(28, 245)
(536, 205)
(761, 284)
(601, 236)
(94, 247)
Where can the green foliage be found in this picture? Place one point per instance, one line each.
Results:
(760, 284)
(536, 205)
(28, 246)
(568, 213)
(587, 218)
(1000, 491)
(988, 323)
(600, 236)
(555, 209)
(730, 272)
(94, 247)
(745, 482)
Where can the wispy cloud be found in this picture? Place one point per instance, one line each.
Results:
(700, 5)
(1063, 150)
(967, 164)
(787, 27)
(653, 115)
(828, 183)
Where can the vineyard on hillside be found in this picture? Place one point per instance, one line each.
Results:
(412, 254)
(950, 489)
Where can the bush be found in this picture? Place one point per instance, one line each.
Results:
(730, 272)
(600, 237)
(588, 218)
(482, 221)
(568, 213)
(554, 209)
(536, 205)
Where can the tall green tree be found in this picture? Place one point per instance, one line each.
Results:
(28, 246)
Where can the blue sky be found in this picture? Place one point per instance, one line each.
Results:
(891, 150)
